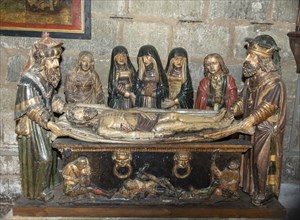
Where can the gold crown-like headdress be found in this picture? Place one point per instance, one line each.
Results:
(47, 46)
(47, 41)
(253, 46)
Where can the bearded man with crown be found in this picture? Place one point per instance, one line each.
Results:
(263, 106)
(36, 102)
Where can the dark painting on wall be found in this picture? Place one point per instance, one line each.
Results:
(61, 18)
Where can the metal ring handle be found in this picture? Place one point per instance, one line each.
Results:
(179, 176)
(119, 175)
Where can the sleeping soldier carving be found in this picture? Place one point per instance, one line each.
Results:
(77, 179)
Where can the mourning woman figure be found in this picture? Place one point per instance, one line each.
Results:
(152, 85)
(217, 89)
(121, 80)
(82, 84)
(179, 80)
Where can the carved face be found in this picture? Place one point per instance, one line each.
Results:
(251, 65)
(213, 65)
(86, 63)
(182, 163)
(81, 115)
(122, 159)
(182, 159)
(82, 162)
(52, 70)
(147, 60)
(233, 165)
(121, 58)
(178, 61)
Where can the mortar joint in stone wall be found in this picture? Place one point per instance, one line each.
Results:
(121, 17)
(190, 21)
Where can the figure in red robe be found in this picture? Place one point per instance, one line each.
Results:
(217, 89)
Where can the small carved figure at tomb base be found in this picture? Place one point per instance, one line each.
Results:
(227, 179)
(263, 105)
(151, 84)
(121, 80)
(179, 80)
(224, 183)
(217, 89)
(77, 180)
(35, 104)
(82, 84)
(147, 185)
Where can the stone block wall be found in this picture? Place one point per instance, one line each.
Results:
(201, 27)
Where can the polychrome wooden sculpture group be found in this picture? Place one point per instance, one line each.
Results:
(148, 106)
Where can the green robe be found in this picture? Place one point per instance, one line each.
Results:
(37, 158)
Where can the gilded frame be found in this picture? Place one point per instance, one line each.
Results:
(72, 20)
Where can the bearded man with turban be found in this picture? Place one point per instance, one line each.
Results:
(263, 105)
(35, 103)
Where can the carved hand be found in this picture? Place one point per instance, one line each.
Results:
(167, 103)
(45, 116)
(52, 126)
(217, 99)
(67, 107)
(132, 97)
(121, 89)
(229, 114)
(247, 125)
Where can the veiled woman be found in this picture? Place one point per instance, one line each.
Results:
(179, 80)
(151, 85)
(121, 80)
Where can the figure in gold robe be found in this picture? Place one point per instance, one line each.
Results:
(82, 84)
(263, 105)
(227, 179)
(77, 180)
